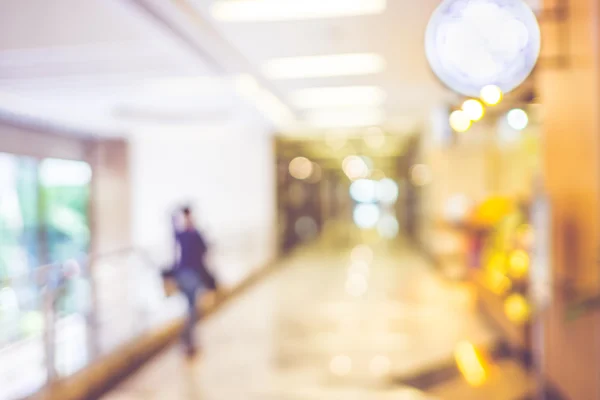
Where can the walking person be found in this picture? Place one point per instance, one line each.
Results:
(190, 272)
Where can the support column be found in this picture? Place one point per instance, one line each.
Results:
(571, 98)
(110, 201)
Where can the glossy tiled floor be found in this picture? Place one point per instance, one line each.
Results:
(321, 329)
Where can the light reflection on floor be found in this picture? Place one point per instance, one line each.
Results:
(300, 335)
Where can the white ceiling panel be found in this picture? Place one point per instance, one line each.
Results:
(31, 24)
(92, 61)
(85, 62)
(397, 35)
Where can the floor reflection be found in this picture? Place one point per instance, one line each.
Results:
(301, 334)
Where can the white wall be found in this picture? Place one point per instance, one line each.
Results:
(226, 172)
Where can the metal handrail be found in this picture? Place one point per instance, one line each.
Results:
(54, 281)
(51, 282)
(93, 318)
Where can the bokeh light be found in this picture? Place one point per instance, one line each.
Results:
(301, 168)
(473, 109)
(387, 191)
(355, 168)
(460, 121)
(517, 119)
(497, 282)
(360, 268)
(491, 95)
(362, 253)
(366, 216)
(517, 308)
(470, 364)
(356, 285)
(497, 261)
(364, 191)
(388, 227)
(421, 175)
(518, 264)
(341, 365)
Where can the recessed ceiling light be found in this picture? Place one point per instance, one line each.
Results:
(324, 66)
(346, 118)
(183, 86)
(281, 10)
(369, 96)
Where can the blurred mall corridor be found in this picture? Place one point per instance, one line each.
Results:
(387, 198)
(363, 323)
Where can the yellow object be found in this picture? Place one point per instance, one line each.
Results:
(473, 109)
(470, 364)
(492, 210)
(518, 264)
(517, 308)
(491, 95)
(497, 282)
(497, 262)
(460, 121)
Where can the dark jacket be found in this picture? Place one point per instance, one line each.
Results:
(192, 253)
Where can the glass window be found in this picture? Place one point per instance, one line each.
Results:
(18, 215)
(19, 248)
(65, 190)
(43, 219)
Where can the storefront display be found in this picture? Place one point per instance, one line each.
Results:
(504, 276)
(482, 221)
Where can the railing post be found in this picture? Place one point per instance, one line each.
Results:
(93, 335)
(49, 330)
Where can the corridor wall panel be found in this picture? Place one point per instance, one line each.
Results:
(226, 173)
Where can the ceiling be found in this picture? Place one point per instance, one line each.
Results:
(105, 66)
(87, 64)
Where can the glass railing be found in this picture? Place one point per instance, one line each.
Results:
(129, 300)
(23, 299)
(57, 319)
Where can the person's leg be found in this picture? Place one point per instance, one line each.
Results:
(188, 283)
(188, 330)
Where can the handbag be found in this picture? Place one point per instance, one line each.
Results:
(170, 286)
